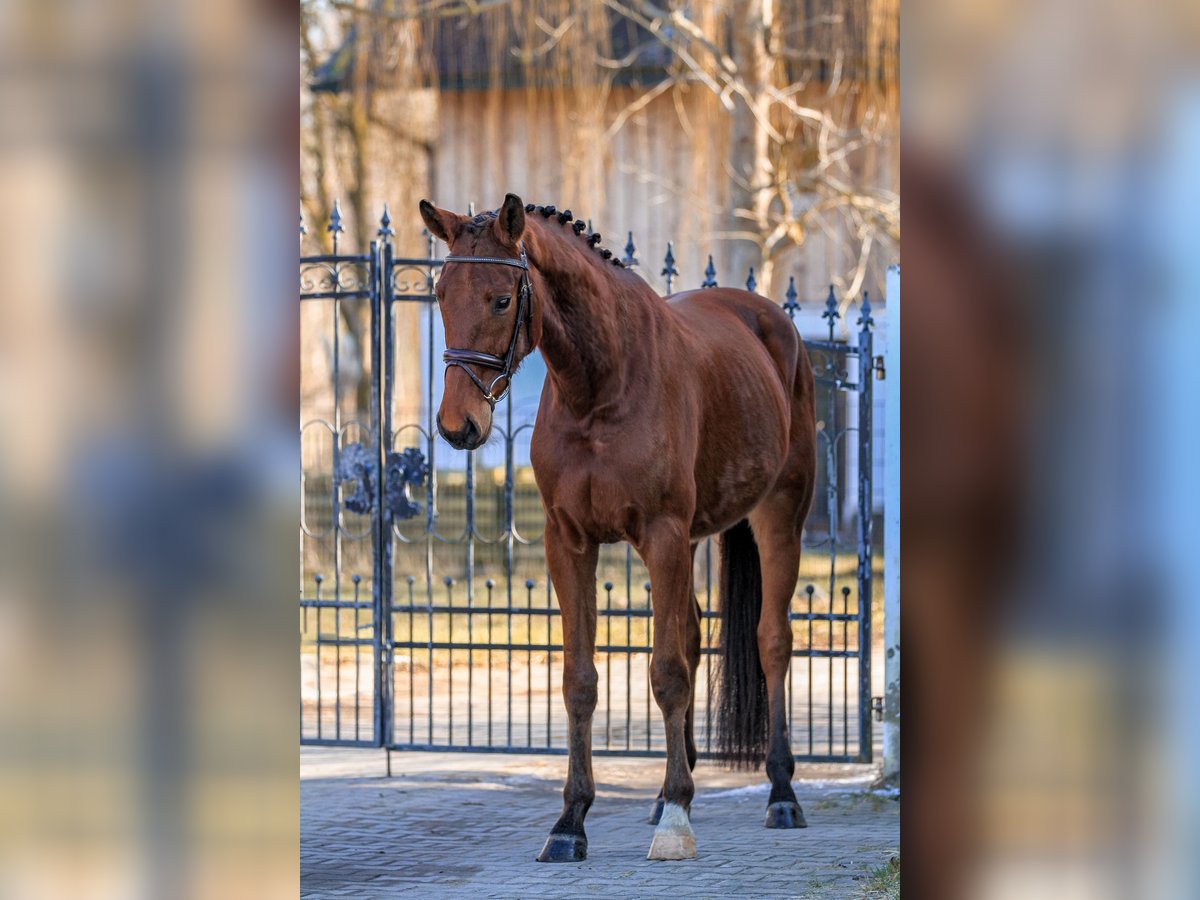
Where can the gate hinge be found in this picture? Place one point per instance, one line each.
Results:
(880, 371)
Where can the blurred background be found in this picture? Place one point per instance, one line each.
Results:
(148, 389)
(1049, 616)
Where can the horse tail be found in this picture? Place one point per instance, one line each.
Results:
(741, 685)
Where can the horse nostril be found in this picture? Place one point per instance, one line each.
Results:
(470, 432)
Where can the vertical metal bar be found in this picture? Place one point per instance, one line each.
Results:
(510, 517)
(412, 676)
(529, 662)
(549, 661)
(829, 662)
(649, 689)
(845, 671)
(470, 593)
(431, 481)
(832, 432)
(337, 671)
(381, 397)
(489, 584)
(629, 647)
(335, 493)
(708, 632)
(808, 590)
(449, 582)
(865, 486)
(608, 587)
(357, 663)
(317, 579)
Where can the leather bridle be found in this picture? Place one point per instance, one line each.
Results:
(464, 359)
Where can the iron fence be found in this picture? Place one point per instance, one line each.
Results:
(428, 620)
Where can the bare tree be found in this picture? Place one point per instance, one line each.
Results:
(801, 97)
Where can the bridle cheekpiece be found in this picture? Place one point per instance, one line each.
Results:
(464, 359)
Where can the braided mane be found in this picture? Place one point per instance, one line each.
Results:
(578, 226)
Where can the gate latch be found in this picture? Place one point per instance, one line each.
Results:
(877, 706)
(403, 470)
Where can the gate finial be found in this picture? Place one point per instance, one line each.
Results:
(790, 304)
(831, 313)
(669, 269)
(630, 259)
(864, 314)
(385, 225)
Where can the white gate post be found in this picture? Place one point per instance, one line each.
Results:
(891, 531)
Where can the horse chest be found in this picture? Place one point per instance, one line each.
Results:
(596, 493)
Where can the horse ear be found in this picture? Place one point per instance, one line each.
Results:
(441, 223)
(510, 221)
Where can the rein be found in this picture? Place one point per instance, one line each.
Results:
(524, 314)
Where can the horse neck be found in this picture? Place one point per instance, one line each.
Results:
(596, 319)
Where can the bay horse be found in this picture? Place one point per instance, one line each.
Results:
(660, 423)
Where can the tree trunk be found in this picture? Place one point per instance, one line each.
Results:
(749, 150)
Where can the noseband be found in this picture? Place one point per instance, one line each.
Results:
(464, 359)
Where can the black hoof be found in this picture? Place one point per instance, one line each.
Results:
(564, 848)
(785, 814)
(657, 814)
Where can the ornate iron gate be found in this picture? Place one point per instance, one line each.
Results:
(427, 617)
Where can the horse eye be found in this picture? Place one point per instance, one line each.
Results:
(501, 303)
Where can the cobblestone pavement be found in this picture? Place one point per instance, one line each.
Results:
(469, 825)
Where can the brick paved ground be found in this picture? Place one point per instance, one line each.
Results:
(469, 825)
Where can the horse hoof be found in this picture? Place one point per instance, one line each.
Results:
(672, 846)
(564, 848)
(673, 839)
(656, 816)
(785, 814)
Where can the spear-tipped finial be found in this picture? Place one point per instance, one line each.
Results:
(864, 313)
(751, 284)
(385, 224)
(669, 269)
(831, 313)
(790, 304)
(335, 226)
(710, 274)
(630, 258)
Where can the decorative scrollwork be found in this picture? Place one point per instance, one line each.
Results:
(355, 465)
(410, 280)
(328, 277)
(404, 470)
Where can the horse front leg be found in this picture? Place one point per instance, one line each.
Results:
(666, 552)
(693, 657)
(573, 574)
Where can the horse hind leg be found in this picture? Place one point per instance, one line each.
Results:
(777, 533)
